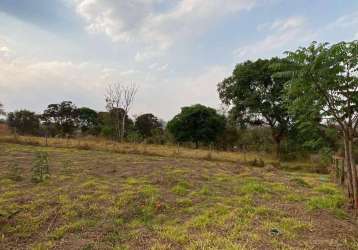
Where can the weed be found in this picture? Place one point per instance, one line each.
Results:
(253, 186)
(184, 202)
(173, 233)
(294, 197)
(40, 167)
(182, 188)
(72, 227)
(300, 182)
(288, 227)
(330, 202)
(327, 189)
(209, 240)
(204, 191)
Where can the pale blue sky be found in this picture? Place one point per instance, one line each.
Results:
(175, 50)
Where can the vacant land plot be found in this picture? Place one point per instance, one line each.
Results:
(103, 200)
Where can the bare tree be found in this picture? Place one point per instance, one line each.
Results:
(119, 100)
(129, 93)
(113, 98)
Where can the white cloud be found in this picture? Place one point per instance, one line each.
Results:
(350, 20)
(36, 83)
(282, 24)
(282, 34)
(177, 92)
(140, 21)
(343, 28)
(287, 24)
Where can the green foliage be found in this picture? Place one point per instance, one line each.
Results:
(257, 98)
(88, 121)
(323, 86)
(229, 138)
(196, 124)
(108, 123)
(107, 131)
(40, 167)
(147, 123)
(134, 136)
(63, 116)
(24, 122)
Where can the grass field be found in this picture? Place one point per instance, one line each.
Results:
(96, 199)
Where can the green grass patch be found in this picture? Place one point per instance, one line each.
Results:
(72, 227)
(253, 186)
(182, 188)
(300, 182)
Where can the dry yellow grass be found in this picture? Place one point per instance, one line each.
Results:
(143, 149)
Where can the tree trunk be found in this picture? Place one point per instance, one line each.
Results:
(354, 170)
(352, 180)
(278, 149)
(123, 126)
(277, 140)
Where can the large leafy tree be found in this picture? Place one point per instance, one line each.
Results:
(24, 122)
(256, 97)
(88, 120)
(64, 116)
(146, 124)
(197, 124)
(324, 84)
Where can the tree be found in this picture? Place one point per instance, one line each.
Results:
(229, 138)
(146, 124)
(108, 122)
(113, 102)
(24, 122)
(197, 124)
(64, 116)
(256, 97)
(324, 82)
(120, 97)
(88, 120)
(2, 111)
(129, 93)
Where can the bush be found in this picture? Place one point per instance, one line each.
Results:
(134, 136)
